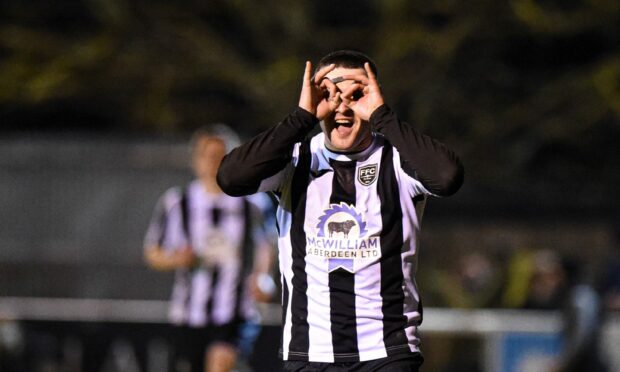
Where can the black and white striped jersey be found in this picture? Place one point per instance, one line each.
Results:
(348, 233)
(218, 228)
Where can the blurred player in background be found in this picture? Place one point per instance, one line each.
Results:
(350, 207)
(221, 254)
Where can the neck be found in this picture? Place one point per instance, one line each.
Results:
(359, 147)
(210, 185)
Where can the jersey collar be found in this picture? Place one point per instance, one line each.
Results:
(349, 156)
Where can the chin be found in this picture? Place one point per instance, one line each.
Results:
(341, 147)
(338, 144)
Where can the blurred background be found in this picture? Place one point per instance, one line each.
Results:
(98, 99)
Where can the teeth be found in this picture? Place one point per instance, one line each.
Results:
(343, 121)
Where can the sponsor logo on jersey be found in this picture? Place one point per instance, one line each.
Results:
(217, 249)
(367, 174)
(342, 239)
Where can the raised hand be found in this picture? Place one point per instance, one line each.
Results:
(364, 96)
(316, 92)
(331, 99)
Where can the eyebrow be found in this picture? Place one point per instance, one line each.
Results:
(337, 80)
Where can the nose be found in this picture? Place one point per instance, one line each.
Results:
(342, 108)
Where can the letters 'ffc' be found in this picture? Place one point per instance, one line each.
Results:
(367, 174)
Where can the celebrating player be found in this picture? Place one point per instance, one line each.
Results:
(350, 204)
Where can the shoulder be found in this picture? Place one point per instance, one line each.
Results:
(314, 144)
(260, 200)
(317, 142)
(174, 192)
(172, 196)
(384, 145)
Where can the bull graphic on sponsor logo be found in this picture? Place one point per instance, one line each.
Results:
(340, 227)
(342, 239)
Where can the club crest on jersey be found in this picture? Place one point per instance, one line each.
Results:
(342, 239)
(367, 174)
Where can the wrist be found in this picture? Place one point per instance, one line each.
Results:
(265, 283)
(376, 117)
(307, 119)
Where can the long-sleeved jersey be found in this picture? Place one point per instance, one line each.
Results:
(348, 226)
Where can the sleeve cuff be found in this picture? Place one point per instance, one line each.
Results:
(378, 114)
(305, 117)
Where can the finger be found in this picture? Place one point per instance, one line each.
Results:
(334, 101)
(331, 93)
(369, 72)
(346, 100)
(372, 78)
(322, 72)
(307, 73)
(329, 86)
(359, 78)
(350, 91)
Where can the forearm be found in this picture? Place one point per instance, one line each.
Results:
(263, 259)
(261, 282)
(243, 169)
(423, 158)
(158, 259)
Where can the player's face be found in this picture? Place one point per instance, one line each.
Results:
(344, 130)
(208, 154)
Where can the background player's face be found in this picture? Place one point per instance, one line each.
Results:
(344, 130)
(207, 156)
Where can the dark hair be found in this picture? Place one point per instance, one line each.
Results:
(347, 59)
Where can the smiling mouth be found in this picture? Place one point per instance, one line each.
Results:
(343, 127)
(344, 123)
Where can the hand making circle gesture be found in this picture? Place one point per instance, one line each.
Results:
(369, 100)
(319, 95)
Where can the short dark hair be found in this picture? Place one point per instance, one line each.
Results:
(348, 59)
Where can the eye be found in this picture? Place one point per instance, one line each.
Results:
(357, 95)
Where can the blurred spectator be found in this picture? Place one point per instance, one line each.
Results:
(536, 279)
(582, 320)
(519, 273)
(548, 284)
(475, 282)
